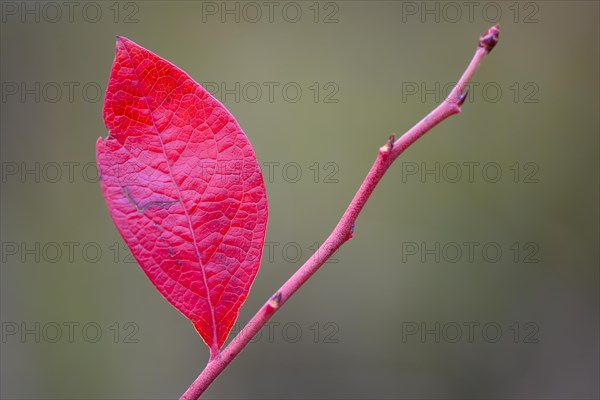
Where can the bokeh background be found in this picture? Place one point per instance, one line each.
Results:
(473, 272)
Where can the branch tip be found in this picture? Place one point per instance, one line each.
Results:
(490, 38)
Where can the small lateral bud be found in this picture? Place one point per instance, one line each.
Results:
(275, 301)
(462, 98)
(489, 39)
(389, 145)
(391, 141)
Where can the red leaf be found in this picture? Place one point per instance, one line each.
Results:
(183, 187)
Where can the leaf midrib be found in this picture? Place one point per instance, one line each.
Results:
(215, 341)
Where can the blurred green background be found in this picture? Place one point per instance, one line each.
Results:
(473, 272)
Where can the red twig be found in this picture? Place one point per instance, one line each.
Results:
(343, 231)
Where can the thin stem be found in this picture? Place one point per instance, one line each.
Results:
(343, 231)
